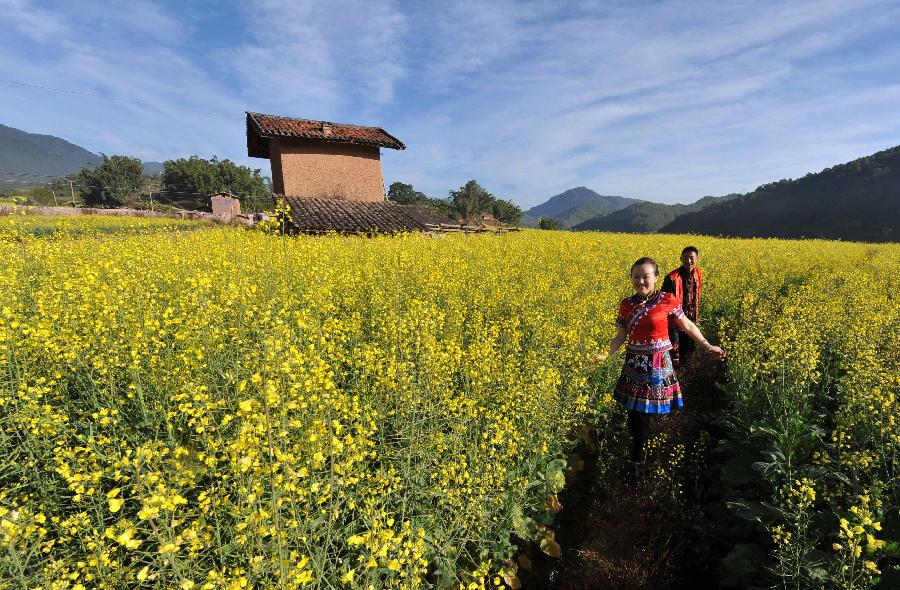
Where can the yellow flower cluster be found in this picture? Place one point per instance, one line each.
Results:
(230, 409)
(817, 348)
(858, 533)
(18, 224)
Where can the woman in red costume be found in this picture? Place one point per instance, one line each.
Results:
(648, 384)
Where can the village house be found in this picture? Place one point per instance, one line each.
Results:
(329, 175)
(319, 159)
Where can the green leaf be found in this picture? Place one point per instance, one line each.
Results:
(744, 559)
(521, 524)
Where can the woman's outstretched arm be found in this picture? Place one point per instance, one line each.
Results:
(614, 345)
(618, 339)
(691, 329)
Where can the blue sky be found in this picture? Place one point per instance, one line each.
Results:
(666, 101)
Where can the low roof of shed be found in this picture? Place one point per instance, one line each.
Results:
(314, 215)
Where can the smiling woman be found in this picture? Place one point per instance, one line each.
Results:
(648, 384)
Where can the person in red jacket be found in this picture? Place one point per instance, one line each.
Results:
(686, 283)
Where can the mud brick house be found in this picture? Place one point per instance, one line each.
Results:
(329, 175)
(321, 159)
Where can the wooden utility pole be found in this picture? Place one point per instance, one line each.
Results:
(150, 188)
(72, 191)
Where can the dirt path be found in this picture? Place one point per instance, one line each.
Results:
(653, 535)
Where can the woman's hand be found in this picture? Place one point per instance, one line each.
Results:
(597, 358)
(691, 329)
(716, 351)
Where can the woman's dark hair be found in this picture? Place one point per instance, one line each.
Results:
(643, 261)
(690, 249)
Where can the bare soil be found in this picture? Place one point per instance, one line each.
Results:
(654, 534)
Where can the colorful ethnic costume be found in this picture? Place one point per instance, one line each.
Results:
(686, 286)
(648, 384)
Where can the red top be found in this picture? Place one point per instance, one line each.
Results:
(674, 283)
(647, 321)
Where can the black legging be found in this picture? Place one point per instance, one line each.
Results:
(639, 425)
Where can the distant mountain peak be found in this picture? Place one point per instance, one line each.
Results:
(575, 205)
(38, 157)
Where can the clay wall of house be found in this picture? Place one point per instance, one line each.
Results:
(326, 170)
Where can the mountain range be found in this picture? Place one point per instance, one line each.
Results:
(646, 216)
(33, 158)
(858, 201)
(582, 209)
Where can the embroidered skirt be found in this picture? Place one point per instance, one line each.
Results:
(648, 383)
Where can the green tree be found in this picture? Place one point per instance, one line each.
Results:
(507, 211)
(548, 223)
(405, 194)
(470, 200)
(111, 182)
(195, 179)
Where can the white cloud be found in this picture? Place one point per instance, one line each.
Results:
(144, 97)
(37, 23)
(318, 60)
(614, 95)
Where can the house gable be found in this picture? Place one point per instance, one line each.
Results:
(320, 159)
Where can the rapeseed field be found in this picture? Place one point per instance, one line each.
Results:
(229, 409)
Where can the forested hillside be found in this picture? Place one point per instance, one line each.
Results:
(646, 217)
(857, 201)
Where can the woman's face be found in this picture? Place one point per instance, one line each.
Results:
(643, 278)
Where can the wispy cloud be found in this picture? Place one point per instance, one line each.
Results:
(129, 85)
(322, 59)
(35, 22)
(612, 97)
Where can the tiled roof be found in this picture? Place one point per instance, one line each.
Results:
(323, 215)
(261, 127)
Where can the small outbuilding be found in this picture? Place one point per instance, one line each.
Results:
(320, 159)
(225, 205)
